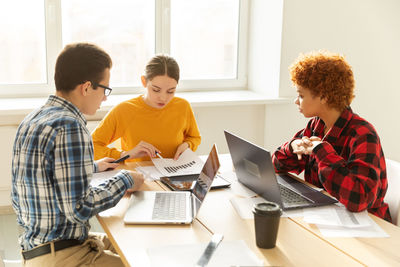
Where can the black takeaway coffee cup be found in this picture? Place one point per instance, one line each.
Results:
(266, 222)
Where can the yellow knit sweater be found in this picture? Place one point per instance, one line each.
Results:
(134, 121)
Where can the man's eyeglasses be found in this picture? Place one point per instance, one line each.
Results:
(107, 90)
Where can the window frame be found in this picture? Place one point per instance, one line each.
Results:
(53, 26)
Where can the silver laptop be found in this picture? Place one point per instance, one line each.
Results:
(173, 207)
(254, 168)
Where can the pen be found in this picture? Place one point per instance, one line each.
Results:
(158, 155)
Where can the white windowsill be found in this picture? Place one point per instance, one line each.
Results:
(13, 110)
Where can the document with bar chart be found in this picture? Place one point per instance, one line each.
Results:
(188, 163)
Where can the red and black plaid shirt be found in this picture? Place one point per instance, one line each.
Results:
(349, 164)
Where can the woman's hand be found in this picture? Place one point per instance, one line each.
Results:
(181, 148)
(106, 163)
(305, 145)
(142, 149)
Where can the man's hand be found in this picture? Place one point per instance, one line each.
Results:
(106, 163)
(181, 148)
(138, 180)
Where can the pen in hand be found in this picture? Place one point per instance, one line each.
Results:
(158, 155)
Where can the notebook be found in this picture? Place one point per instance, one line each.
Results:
(254, 168)
(173, 207)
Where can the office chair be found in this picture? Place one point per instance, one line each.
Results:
(392, 197)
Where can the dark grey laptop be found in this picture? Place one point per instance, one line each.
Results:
(254, 168)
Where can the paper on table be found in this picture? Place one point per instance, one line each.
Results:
(100, 177)
(373, 230)
(188, 163)
(244, 207)
(241, 190)
(228, 253)
(229, 176)
(336, 215)
(150, 172)
(337, 221)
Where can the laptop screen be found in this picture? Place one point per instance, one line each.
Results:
(253, 167)
(206, 176)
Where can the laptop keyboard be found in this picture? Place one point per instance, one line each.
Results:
(291, 198)
(169, 206)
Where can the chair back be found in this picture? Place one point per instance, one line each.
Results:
(392, 197)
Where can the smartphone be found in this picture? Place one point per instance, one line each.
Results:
(120, 159)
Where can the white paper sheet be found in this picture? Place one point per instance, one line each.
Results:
(244, 207)
(188, 163)
(227, 254)
(242, 191)
(336, 215)
(371, 231)
(337, 221)
(100, 177)
(229, 176)
(150, 172)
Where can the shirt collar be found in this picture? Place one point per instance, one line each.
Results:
(344, 118)
(57, 101)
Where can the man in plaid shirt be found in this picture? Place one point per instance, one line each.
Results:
(338, 150)
(53, 165)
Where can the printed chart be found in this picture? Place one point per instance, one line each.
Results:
(188, 163)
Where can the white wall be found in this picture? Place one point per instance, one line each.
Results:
(7, 135)
(367, 32)
(264, 46)
(242, 120)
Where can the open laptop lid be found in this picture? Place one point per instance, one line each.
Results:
(254, 169)
(202, 185)
(251, 166)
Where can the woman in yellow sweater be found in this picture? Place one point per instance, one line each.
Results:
(156, 122)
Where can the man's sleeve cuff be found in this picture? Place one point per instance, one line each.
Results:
(126, 178)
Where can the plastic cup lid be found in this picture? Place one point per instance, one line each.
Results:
(267, 208)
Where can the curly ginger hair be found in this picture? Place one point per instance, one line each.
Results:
(326, 75)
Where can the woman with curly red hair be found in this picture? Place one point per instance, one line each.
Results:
(338, 150)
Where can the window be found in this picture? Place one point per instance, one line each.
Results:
(125, 31)
(22, 45)
(205, 37)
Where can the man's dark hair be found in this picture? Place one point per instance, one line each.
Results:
(79, 63)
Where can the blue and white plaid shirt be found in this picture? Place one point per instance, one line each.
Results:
(51, 170)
